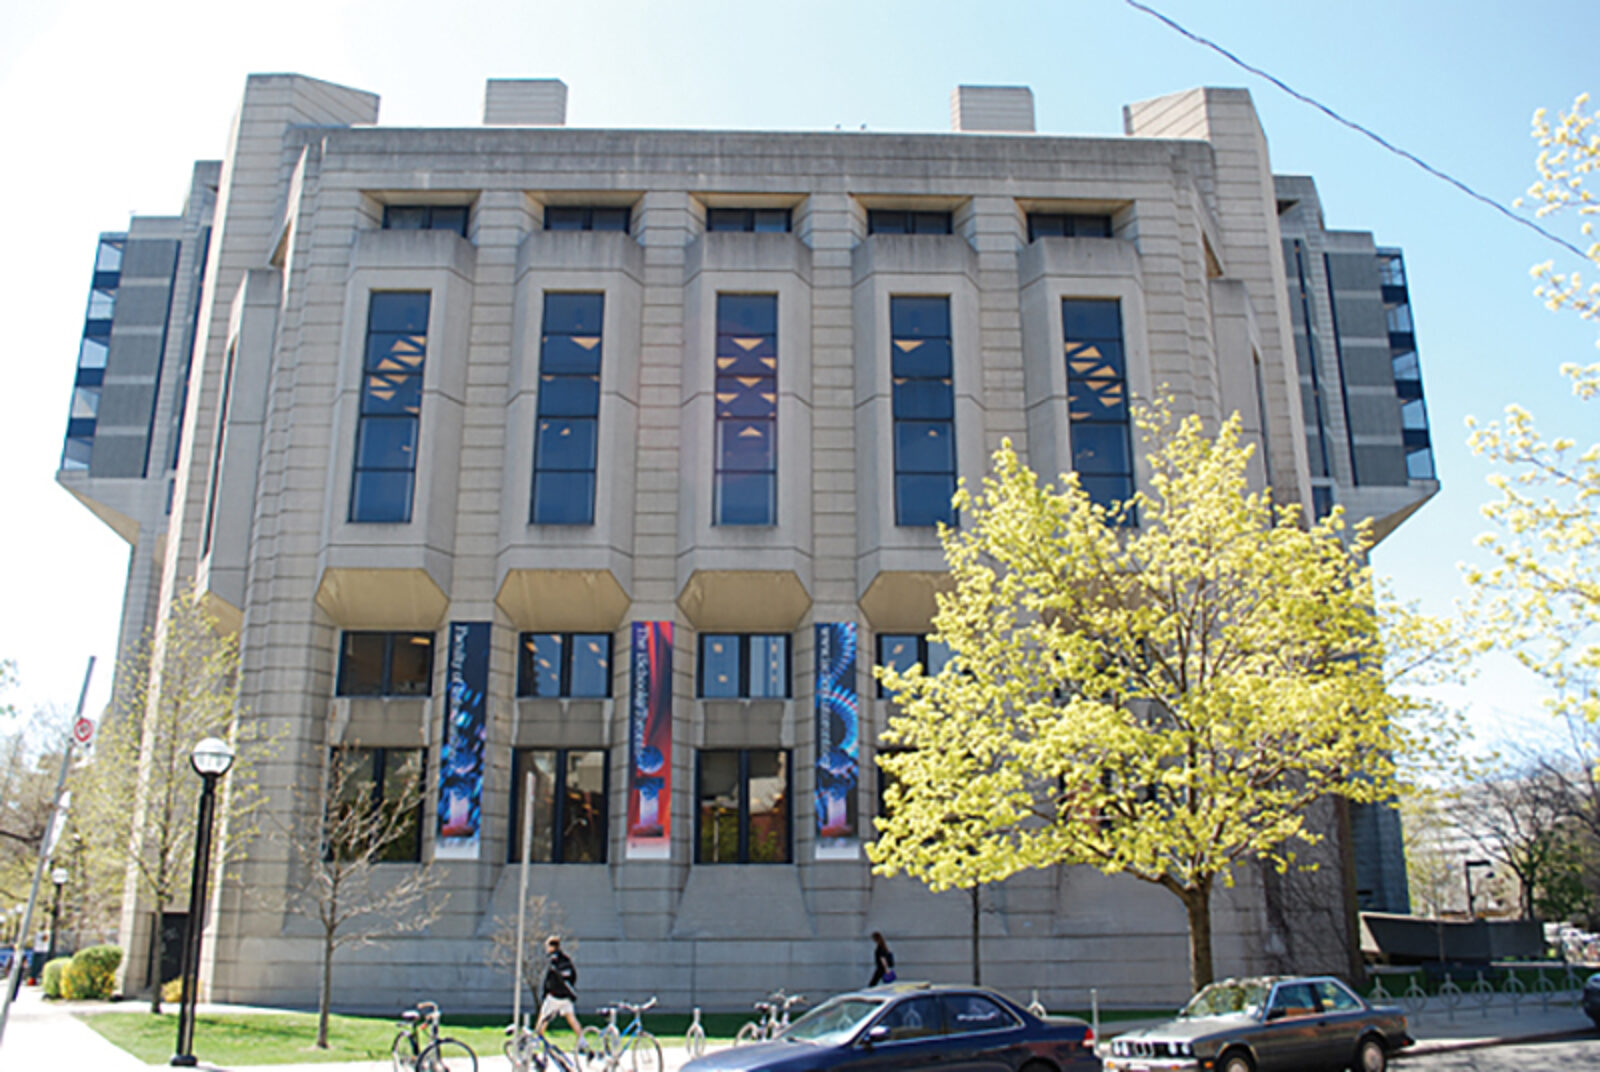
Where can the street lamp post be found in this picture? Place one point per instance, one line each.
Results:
(211, 759)
(59, 877)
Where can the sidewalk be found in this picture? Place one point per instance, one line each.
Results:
(48, 1035)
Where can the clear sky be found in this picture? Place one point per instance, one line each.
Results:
(104, 107)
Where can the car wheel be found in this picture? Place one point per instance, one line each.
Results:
(1237, 1061)
(1371, 1056)
(1038, 1066)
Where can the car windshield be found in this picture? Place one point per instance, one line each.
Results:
(1223, 999)
(834, 1022)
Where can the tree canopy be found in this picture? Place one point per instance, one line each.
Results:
(1160, 689)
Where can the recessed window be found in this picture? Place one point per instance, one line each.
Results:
(566, 443)
(905, 222)
(745, 666)
(373, 780)
(742, 807)
(586, 218)
(564, 665)
(749, 220)
(924, 411)
(385, 664)
(569, 805)
(426, 218)
(391, 407)
(1321, 501)
(108, 258)
(1097, 398)
(902, 651)
(746, 425)
(1067, 225)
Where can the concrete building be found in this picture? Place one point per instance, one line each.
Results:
(615, 455)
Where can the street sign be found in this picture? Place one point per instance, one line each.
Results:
(82, 730)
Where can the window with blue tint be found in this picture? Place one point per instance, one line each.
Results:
(566, 436)
(385, 664)
(901, 651)
(1097, 398)
(564, 665)
(745, 666)
(426, 218)
(586, 218)
(1067, 225)
(907, 222)
(388, 431)
(745, 475)
(749, 220)
(924, 411)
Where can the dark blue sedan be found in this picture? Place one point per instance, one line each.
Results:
(910, 1026)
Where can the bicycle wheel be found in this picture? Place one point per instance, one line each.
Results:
(647, 1054)
(525, 1053)
(747, 1034)
(448, 1055)
(591, 1049)
(611, 1042)
(694, 1041)
(403, 1054)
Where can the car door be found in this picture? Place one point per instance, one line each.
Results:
(1342, 1020)
(906, 1036)
(981, 1035)
(1286, 1040)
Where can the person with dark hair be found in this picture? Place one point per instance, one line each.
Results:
(882, 961)
(560, 983)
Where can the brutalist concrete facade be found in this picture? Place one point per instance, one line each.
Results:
(1185, 239)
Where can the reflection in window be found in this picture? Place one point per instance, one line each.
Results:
(742, 807)
(102, 303)
(379, 780)
(92, 353)
(391, 407)
(566, 442)
(744, 665)
(924, 411)
(902, 651)
(564, 665)
(913, 1019)
(426, 218)
(108, 258)
(749, 220)
(385, 664)
(1097, 398)
(969, 1013)
(1399, 317)
(586, 218)
(1067, 225)
(898, 222)
(746, 427)
(569, 805)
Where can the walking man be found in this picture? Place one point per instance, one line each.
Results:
(560, 988)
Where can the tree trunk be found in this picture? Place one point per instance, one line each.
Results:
(325, 992)
(152, 963)
(977, 959)
(1197, 902)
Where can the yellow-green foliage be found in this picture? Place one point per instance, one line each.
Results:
(50, 978)
(92, 974)
(1164, 699)
(172, 989)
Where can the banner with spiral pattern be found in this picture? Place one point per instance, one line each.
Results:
(838, 742)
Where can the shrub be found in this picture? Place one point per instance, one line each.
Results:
(92, 975)
(172, 990)
(51, 977)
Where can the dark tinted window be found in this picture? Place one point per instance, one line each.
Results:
(1067, 225)
(913, 1018)
(745, 475)
(388, 430)
(572, 665)
(385, 664)
(742, 806)
(586, 218)
(1097, 398)
(749, 220)
(974, 1012)
(902, 222)
(923, 405)
(372, 779)
(569, 807)
(426, 218)
(566, 437)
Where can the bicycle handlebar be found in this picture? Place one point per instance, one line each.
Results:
(635, 1008)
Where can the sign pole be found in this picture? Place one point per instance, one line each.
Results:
(522, 896)
(79, 735)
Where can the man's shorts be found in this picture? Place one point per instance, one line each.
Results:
(554, 1006)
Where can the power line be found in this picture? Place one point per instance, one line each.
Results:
(1358, 128)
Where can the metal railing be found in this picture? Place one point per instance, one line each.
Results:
(1556, 986)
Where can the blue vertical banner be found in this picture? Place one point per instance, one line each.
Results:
(838, 742)
(466, 727)
(649, 834)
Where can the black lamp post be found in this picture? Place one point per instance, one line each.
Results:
(59, 877)
(211, 759)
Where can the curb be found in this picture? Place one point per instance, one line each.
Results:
(1456, 1046)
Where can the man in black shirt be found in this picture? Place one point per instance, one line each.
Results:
(560, 988)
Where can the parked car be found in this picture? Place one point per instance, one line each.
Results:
(1269, 1024)
(908, 1026)
(1591, 998)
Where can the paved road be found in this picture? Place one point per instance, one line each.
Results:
(1575, 1055)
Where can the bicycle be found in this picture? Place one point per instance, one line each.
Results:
(632, 1041)
(439, 1054)
(774, 1018)
(694, 1039)
(530, 1051)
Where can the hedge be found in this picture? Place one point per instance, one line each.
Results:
(92, 975)
(51, 977)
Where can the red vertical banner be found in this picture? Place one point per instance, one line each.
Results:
(650, 743)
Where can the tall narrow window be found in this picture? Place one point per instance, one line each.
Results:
(746, 474)
(924, 411)
(391, 407)
(565, 445)
(1097, 398)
